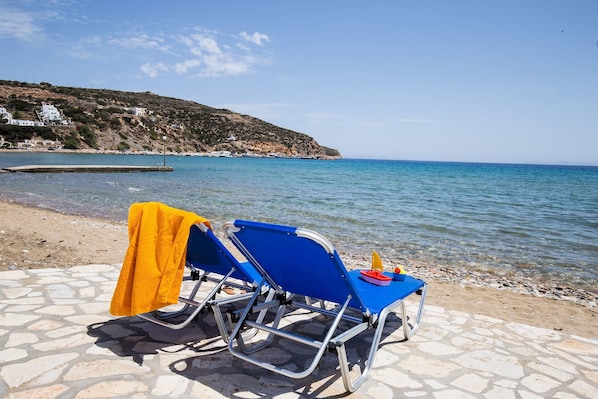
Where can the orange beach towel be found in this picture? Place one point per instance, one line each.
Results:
(153, 267)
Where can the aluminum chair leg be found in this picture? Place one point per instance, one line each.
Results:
(199, 306)
(408, 332)
(220, 319)
(187, 301)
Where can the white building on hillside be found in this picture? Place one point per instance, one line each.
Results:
(138, 111)
(21, 122)
(49, 114)
(4, 114)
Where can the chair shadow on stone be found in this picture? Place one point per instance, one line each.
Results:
(136, 337)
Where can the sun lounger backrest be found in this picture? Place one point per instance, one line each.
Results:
(299, 261)
(206, 252)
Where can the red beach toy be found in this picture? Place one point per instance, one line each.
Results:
(375, 277)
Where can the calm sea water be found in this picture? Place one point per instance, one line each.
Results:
(537, 220)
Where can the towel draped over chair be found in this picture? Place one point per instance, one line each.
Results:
(154, 263)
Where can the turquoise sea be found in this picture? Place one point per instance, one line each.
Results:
(541, 221)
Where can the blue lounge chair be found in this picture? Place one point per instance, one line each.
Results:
(207, 259)
(298, 262)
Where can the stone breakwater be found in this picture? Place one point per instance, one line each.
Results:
(476, 278)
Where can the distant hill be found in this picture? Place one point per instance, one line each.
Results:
(104, 119)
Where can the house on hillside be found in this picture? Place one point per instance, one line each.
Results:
(137, 111)
(21, 122)
(4, 114)
(49, 114)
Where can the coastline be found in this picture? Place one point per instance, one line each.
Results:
(33, 238)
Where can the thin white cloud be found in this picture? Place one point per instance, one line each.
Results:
(325, 116)
(213, 59)
(153, 70)
(142, 41)
(256, 108)
(19, 24)
(256, 38)
(183, 67)
(102, 47)
(201, 44)
(85, 48)
(215, 65)
(408, 120)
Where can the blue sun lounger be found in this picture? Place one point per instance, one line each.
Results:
(207, 259)
(299, 262)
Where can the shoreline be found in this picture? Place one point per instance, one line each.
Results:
(39, 238)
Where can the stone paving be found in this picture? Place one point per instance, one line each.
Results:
(57, 340)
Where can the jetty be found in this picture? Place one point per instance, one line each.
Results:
(87, 168)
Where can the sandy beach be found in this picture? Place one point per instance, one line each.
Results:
(32, 238)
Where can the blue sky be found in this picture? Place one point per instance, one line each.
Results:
(480, 81)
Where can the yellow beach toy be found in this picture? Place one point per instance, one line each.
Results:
(377, 262)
